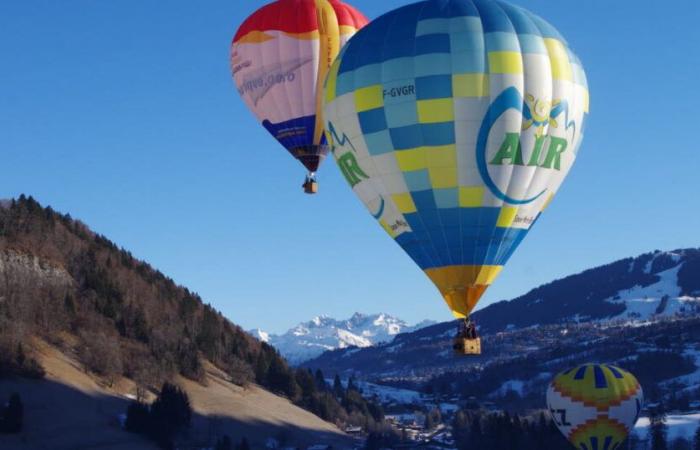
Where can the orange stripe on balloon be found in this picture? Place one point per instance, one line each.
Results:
(254, 37)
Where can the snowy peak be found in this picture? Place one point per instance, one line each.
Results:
(260, 335)
(309, 339)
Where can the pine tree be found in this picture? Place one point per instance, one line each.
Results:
(338, 387)
(696, 439)
(138, 418)
(658, 430)
(262, 365)
(170, 413)
(320, 381)
(352, 386)
(307, 383)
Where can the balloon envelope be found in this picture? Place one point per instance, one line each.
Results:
(279, 59)
(455, 122)
(595, 405)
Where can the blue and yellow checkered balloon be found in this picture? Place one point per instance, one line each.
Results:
(595, 405)
(455, 122)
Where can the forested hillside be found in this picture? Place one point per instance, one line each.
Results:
(78, 290)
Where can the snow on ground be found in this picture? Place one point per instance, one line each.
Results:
(679, 426)
(388, 394)
(510, 385)
(641, 303)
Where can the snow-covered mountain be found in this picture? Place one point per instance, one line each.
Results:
(654, 290)
(310, 339)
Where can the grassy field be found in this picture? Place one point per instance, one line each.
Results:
(71, 409)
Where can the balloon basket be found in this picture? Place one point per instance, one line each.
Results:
(311, 187)
(464, 346)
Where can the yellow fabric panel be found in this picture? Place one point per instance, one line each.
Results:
(255, 37)
(347, 29)
(329, 47)
(386, 227)
(601, 427)
(436, 110)
(370, 97)
(443, 177)
(507, 216)
(441, 156)
(585, 391)
(470, 85)
(488, 274)
(505, 62)
(331, 82)
(413, 159)
(404, 202)
(471, 196)
(462, 286)
(561, 66)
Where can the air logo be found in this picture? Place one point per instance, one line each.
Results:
(347, 162)
(546, 152)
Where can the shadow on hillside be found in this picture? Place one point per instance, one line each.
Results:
(61, 417)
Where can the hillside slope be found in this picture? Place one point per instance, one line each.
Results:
(117, 318)
(70, 409)
(614, 291)
(654, 287)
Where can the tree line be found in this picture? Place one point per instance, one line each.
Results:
(129, 319)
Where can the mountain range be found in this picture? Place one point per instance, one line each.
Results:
(310, 339)
(650, 291)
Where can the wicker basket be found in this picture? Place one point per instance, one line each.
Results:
(464, 346)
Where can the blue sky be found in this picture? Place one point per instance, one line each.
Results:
(124, 114)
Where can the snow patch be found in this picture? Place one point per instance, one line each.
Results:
(679, 426)
(661, 299)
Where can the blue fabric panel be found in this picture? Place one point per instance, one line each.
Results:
(379, 143)
(432, 43)
(493, 17)
(417, 180)
(438, 133)
(372, 121)
(406, 137)
(435, 86)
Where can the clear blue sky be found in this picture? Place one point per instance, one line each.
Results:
(123, 113)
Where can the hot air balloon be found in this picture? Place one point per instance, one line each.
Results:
(455, 122)
(595, 405)
(279, 59)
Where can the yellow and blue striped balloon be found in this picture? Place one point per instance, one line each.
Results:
(595, 405)
(455, 122)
